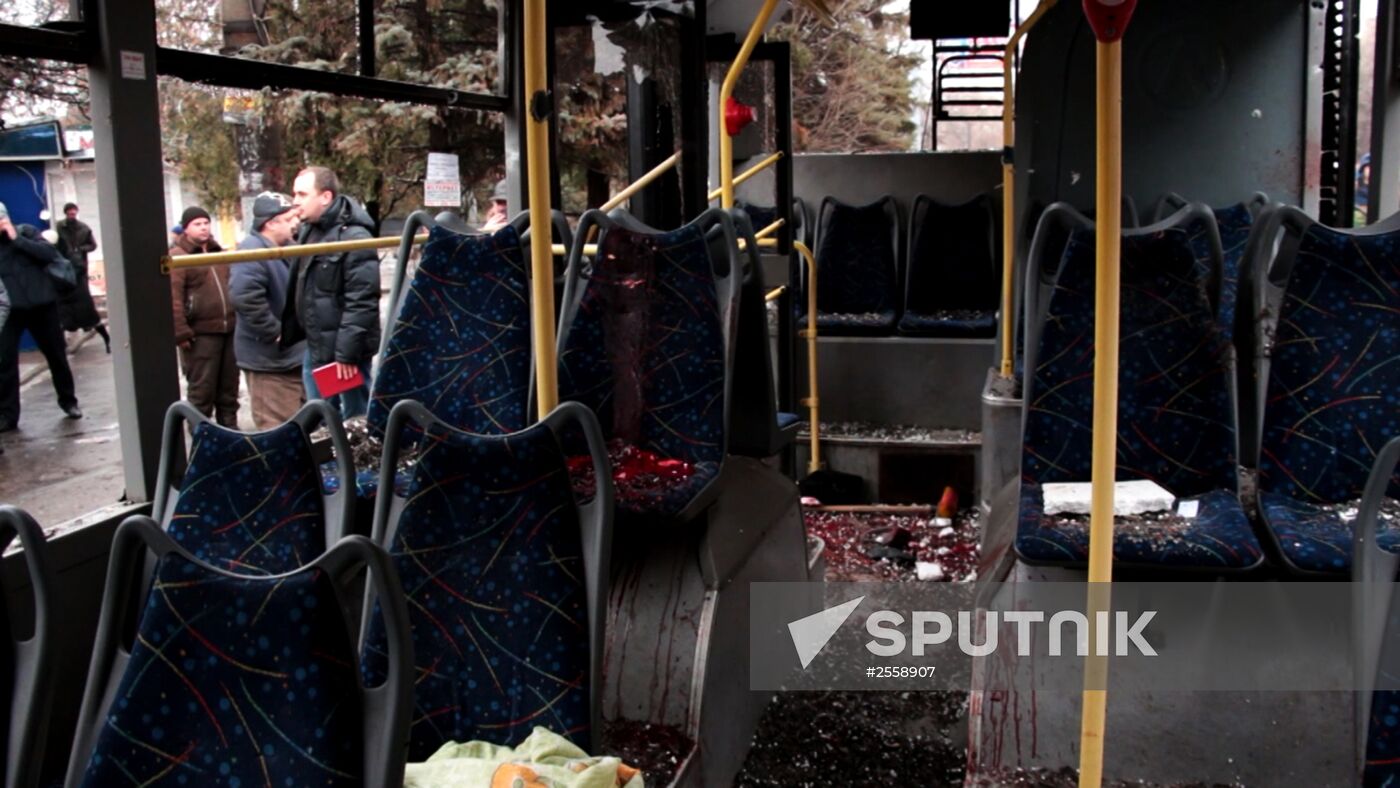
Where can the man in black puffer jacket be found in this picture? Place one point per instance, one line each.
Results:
(24, 255)
(334, 303)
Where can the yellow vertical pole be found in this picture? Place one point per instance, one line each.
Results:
(1008, 186)
(726, 91)
(1109, 18)
(541, 254)
(813, 403)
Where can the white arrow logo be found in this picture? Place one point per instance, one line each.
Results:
(810, 634)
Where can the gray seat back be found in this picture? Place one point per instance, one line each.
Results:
(26, 666)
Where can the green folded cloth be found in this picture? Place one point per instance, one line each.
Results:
(544, 760)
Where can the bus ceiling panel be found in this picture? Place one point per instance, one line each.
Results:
(39, 42)
(572, 13)
(736, 16)
(255, 75)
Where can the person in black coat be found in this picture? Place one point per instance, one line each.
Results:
(76, 310)
(4, 313)
(334, 302)
(24, 256)
(4, 304)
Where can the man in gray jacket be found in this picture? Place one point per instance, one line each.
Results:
(259, 292)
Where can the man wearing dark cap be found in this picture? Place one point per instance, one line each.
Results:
(259, 293)
(204, 320)
(76, 309)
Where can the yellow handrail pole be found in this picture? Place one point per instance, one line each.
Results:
(762, 165)
(812, 401)
(559, 250)
(1008, 185)
(541, 257)
(633, 188)
(726, 143)
(169, 263)
(775, 293)
(1108, 18)
(769, 230)
(641, 183)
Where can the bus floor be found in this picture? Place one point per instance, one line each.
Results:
(872, 738)
(58, 469)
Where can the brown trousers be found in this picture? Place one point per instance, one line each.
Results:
(211, 377)
(276, 396)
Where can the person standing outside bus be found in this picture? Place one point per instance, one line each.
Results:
(259, 292)
(76, 309)
(498, 214)
(33, 297)
(334, 303)
(4, 313)
(204, 320)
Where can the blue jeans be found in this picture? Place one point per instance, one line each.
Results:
(353, 402)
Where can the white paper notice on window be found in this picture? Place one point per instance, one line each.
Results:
(443, 167)
(133, 65)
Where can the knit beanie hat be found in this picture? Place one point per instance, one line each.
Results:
(191, 213)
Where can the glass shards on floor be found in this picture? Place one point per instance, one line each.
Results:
(638, 474)
(1066, 777)
(658, 750)
(857, 739)
(890, 433)
(366, 454)
(864, 547)
(853, 319)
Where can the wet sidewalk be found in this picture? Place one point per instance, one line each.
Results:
(57, 468)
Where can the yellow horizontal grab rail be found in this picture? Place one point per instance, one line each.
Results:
(1008, 187)
(763, 164)
(763, 243)
(641, 183)
(775, 293)
(769, 230)
(590, 250)
(169, 263)
(814, 462)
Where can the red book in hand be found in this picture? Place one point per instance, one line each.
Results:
(330, 384)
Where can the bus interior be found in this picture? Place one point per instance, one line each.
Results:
(596, 434)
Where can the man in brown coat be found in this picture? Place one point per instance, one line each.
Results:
(204, 322)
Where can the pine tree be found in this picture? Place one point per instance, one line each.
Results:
(850, 90)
